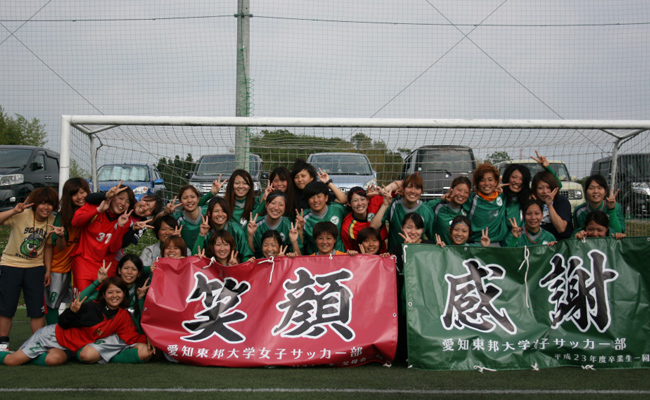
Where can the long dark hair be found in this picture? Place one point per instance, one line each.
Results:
(70, 188)
(524, 194)
(250, 196)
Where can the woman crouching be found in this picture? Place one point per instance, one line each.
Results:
(80, 325)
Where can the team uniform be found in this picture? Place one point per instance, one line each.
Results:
(75, 330)
(283, 226)
(488, 214)
(241, 241)
(100, 239)
(563, 209)
(191, 228)
(513, 210)
(351, 226)
(112, 345)
(22, 265)
(395, 216)
(334, 213)
(60, 290)
(238, 216)
(542, 237)
(616, 217)
(444, 212)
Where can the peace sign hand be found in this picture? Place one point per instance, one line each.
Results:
(201, 253)
(485, 237)
(323, 176)
(283, 251)
(611, 199)
(124, 218)
(252, 225)
(171, 207)
(177, 230)
(102, 272)
(142, 291)
(139, 225)
(293, 233)
(115, 190)
(233, 258)
(516, 231)
(76, 304)
(20, 207)
(217, 185)
(205, 226)
(541, 160)
(439, 241)
(58, 230)
(407, 240)
(268, 190)
(300, 220)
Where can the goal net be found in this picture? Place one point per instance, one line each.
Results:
(174, 145)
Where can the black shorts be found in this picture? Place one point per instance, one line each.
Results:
(30, 280)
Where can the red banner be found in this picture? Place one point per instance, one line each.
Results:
(317, 310)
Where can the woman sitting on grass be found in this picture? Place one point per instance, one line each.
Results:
(83, 323)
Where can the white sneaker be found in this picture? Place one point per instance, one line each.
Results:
(4, 347)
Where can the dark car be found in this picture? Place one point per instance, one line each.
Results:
(438, 165)
(144, 179)
(632, 178)
(23, 169)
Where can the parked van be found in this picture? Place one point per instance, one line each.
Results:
(209, 167)
(23, 169)
(346, 170)
(438, 165)
(571, 189)
(633, 178)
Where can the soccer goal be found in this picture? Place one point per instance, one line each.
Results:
(174, 145)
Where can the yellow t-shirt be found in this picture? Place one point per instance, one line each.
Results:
(27, 235)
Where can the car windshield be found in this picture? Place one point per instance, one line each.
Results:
(635, 167)
(124, 172)
(223, 164)
(14, 158)
(448, 160)
(342, 164)
(559, 168)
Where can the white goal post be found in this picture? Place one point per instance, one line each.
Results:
(123, 138)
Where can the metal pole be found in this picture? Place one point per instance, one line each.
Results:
(617, 146)
(93, 163)
(242, 107)
(64, 169)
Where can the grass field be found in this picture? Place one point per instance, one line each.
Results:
(164, 380)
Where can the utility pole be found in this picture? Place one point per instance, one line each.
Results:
(242, 107)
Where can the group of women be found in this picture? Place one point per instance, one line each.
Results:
(91, 231)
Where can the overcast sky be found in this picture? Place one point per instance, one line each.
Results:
(583, 59)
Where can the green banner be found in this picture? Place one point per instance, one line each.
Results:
(576, 303)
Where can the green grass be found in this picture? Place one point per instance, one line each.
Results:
(162, 374)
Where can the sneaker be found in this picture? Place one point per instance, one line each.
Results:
(4, 347)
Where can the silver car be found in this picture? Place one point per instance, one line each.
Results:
(346, 170)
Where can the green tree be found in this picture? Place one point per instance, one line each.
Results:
(497, 157)
(173, 172)
(19, 131)
(76, 171)
(281, 147)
